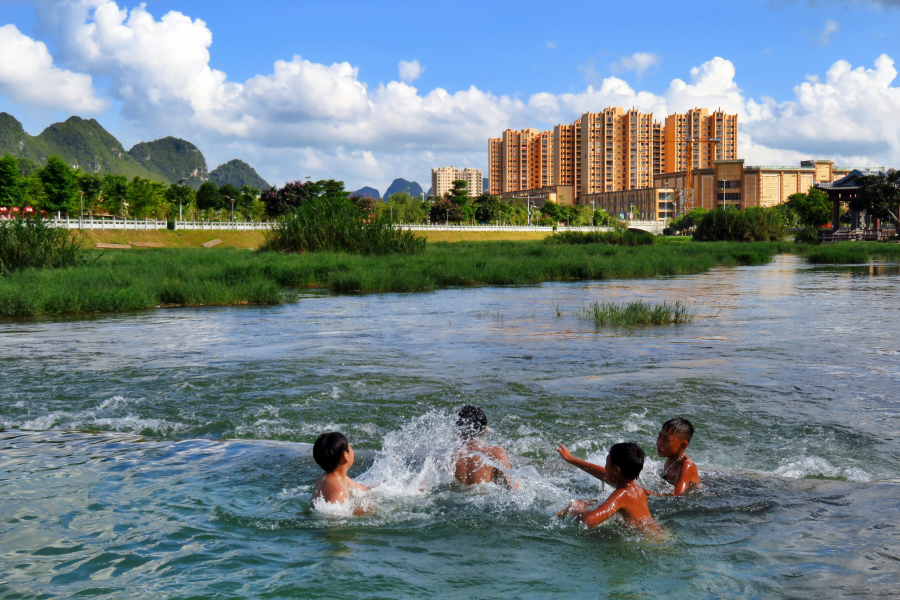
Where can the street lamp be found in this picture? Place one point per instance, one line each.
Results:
(448, 217)
(232, 208)
(81, 213)
(180, 183)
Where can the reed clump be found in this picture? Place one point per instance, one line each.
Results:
(33, 244)
(614, 238)
(637, 314)
(337, 225)
(839, 254)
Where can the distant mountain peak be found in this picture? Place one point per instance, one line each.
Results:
(238, 173)
(402, 185)
(367, 192)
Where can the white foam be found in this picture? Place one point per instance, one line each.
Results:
(815, 466)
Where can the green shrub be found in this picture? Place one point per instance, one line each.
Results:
(846, 253)
(336, 225)
(614, 238)
(754, 224)
(810, 235)
(33, 243)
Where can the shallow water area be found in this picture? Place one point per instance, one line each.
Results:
(164, 454)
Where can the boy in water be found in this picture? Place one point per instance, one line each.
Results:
(334, 454)
(671, 444)
(623, 465)
(474, 461)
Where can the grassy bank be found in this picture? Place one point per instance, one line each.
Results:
(135, 279)
(252, 239)
(125, 280)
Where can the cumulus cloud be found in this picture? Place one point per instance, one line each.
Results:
(305, 118)
(637, 62)
(410, 70)
(29, 77)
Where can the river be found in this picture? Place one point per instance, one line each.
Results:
(162, 453)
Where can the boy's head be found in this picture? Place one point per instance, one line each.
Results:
(330, 450)
(674, 437)
(471, 422)
(628, 458)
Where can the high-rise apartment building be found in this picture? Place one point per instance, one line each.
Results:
(442, 180)
(612, 150)
(714, 136)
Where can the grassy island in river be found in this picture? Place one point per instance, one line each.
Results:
(138, 279)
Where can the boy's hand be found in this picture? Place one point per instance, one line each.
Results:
(564, 453)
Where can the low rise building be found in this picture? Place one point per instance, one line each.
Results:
(442, 180)
(647, 204)
(537, 197)
(731, 183)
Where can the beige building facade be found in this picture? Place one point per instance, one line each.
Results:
(731, 183)
(442, 180)
(536, 198)
(651, 204)
(714, 137)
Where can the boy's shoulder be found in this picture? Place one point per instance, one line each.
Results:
(332, 487)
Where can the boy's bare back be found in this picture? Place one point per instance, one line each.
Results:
(476, 462)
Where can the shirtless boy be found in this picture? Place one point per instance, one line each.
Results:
(671, 444)
(475, 461)
(334, 454)
(623, 465)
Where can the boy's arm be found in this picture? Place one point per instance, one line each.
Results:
(687, 475)
(589, 468)
(601, 513)
(500, 475)
(357, 486)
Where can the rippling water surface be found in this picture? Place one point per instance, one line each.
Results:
(162, 454)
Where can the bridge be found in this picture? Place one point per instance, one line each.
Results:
(654, 227)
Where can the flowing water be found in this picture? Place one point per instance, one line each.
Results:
(164, 454)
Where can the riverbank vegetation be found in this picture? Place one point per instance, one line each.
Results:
(637, 314)
(755, 224)
(613, 238)
(31, 244)
(138, 279)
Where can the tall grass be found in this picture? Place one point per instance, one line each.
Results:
(615, 238)
(336, 225)
(33, 244)
(132, 280)
(638, 313)
(755, 224)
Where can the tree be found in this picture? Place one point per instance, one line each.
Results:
(289, 198)
(813, 209)
(209, 198)
(445, 210)
(60, 185)
(181, 196)
(402, 207)
(459, 195)
(92, 186)
(247, 200)
(229, 193)
(115, 194)
(488, 209)
(879, 195)
(12, 190)
(146, 198)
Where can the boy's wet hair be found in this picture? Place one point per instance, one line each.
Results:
(682, 428)
(629, 458)
(328, 450)
(471, 422)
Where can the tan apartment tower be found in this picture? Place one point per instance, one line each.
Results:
(617, 150)
(442, 180)
(521, 160)
(715, 137)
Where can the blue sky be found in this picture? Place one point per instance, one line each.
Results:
(207, 72)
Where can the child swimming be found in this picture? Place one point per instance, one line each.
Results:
(334, 454)
(475, 461)
(671, 444)
(623, 466)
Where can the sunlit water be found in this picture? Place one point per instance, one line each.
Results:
(154, 454)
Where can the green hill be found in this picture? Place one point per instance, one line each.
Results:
(170, 159)
(77, 141)
(238, 173)
(85, 144)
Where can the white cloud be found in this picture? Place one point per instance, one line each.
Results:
(305, 118)
(637, 62)
(410, 71)
(824, 37)
(551, 45)
(28, 77)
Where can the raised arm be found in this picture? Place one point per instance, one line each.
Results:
(589, 468)
(357, 486)
(499, 475)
